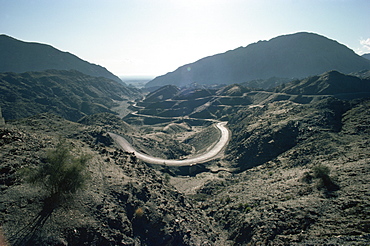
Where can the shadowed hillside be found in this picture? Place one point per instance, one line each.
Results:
(329, 83)
(18, 56)
(70, 94)
(290, 56)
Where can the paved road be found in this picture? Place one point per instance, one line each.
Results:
(222, 142)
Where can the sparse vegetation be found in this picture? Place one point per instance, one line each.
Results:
(61, 173)
(322, 172)
(167, 178)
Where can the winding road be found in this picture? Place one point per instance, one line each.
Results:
(200, 158)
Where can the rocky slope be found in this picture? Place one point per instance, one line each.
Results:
(210, 103)
(297, 165)
(18, 56)
(329, 83)
(290, 56)
(309, 185)
(70, 94)
(163, 93)
(295, 172)
(124, 202)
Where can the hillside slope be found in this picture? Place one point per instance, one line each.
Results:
(123, 203)
(306, 175)
(294, 173)
(18, 56)
(70, 94)
(329, 83)
(208, 103)
(290, 56)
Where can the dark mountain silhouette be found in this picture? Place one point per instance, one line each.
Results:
(18, 56)
(290, 56)
(70, 94)
(367, 56)
(329, 83)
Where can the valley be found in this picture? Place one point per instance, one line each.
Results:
(268, 161)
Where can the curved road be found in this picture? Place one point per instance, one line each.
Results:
(222, 142)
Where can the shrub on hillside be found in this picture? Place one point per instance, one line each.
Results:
(61, 173)
(321, 173)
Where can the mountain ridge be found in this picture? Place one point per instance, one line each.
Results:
(329, 83)
(19, 56)
(295, 55)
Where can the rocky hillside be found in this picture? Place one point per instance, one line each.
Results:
(290, 56)
(163, 93)
(330, 83)
(295, 171)
(70, 94)
(18, 56)
(124, 202)
(297, 165)
(263, 133)
(306, 178)
(209, 103)
(305, 183)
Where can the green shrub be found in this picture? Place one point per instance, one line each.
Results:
(61, 172)
(321, 171)
(167, 178)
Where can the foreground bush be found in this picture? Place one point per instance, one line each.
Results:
(61, 173)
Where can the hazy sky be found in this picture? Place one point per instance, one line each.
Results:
(153, 37)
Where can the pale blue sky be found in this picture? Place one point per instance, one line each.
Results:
(153, 37)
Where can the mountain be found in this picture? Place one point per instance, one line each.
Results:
(18, 56)
(70, 94)
(290, 56)
(206, 103)
(367, 56)
(329, 83)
